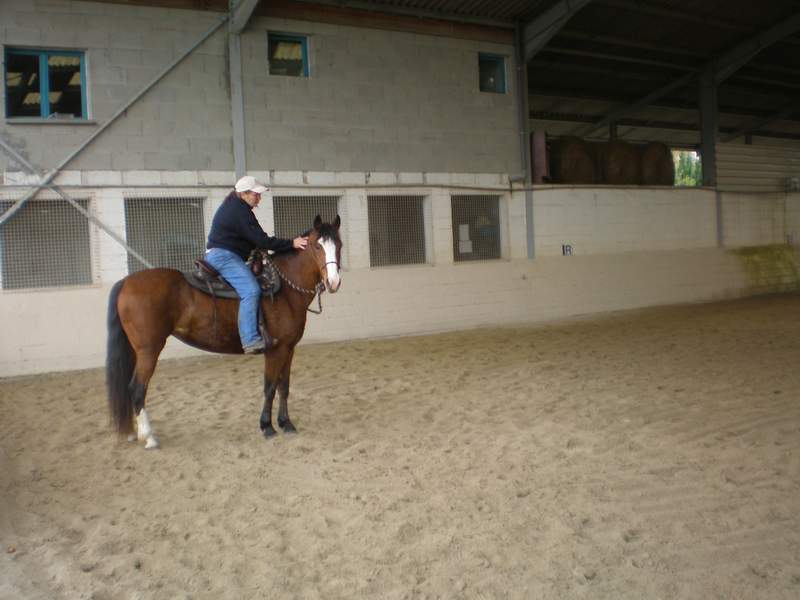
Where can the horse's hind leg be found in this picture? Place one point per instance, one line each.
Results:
(145, 366)
(283, 395)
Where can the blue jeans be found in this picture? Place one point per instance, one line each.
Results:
(238, 274)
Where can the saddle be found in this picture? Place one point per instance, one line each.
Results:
(207, 279)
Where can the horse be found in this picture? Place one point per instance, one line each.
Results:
(148, 306)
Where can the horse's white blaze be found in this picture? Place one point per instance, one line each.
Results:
(145, 430)
(332, 266)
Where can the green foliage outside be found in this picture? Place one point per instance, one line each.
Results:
(688, 170)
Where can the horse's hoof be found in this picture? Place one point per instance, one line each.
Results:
(152, 443)
(268, 432)
(288, 427)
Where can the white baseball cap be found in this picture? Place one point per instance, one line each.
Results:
(248, 183)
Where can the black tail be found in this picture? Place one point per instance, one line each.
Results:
(120, 362)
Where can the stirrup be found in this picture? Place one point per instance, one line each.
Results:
(256, 347)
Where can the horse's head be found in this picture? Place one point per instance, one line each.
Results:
(326, 246)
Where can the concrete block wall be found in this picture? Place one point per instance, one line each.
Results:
(377, 101)
(182, 123)
(627, 219)
(374, 101)
(673, 258)
(754, 219)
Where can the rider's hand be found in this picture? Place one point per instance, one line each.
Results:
(300, 243)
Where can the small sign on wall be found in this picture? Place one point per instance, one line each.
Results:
(566, 249)
(464, 243)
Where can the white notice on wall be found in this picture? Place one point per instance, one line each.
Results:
(463, 231)
(464, 246)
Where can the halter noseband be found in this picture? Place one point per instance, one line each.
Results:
(318, 289)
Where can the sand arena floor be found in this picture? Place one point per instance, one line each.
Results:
(642, 455)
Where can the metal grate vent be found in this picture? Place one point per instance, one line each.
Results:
(295, 214)
(396, 230)
(167, 231)
(46, 244)
(476, 227)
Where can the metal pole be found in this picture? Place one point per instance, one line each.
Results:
(237, 104)
(22, 160)
(524, 134)
(46, 179)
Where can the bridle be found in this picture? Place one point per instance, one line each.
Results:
(318, 289)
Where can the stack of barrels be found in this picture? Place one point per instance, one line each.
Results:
(573, 160)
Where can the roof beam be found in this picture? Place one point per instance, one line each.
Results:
(722, 68)
(544, 115)
(541, 30)
(786, 111)
(241, 12)
(618, 113)
(733, 60)
(657, 11)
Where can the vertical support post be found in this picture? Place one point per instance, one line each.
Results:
(612, 131)
(237, 102)
(709, 126)
(523, 122)
(708, 141)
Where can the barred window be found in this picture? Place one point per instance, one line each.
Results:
(476, 227)
(295, 214)
(166, 231)
(45, 244)
(396, 230)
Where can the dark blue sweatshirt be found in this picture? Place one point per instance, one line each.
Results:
(235, 228)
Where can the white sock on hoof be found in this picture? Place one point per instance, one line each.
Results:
(146, 431)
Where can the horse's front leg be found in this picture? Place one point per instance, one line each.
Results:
(283, 394)
(273, 366)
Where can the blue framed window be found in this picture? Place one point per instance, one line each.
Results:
(492, 73)
(287, 54)
(46, 84)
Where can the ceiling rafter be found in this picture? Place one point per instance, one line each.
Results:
(786, 112)
(722, 67)
(539, 31)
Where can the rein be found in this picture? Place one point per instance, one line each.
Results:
(317, 291)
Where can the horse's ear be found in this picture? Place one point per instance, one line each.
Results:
(337, 222)
(317, 222)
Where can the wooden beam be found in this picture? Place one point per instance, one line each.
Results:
(323, 13)
(349, 16)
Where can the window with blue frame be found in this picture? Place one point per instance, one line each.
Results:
(46, 84)
(492, 73)
(287, 54)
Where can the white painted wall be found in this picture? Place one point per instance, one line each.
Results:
(632, 247)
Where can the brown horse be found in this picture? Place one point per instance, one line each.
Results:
(147, 307)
